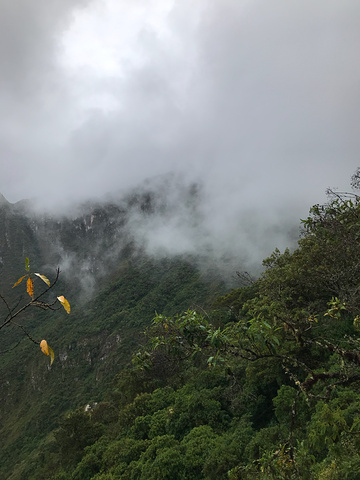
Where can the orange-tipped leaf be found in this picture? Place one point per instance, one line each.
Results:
(64, 303)
(19, 281)
(44, 347)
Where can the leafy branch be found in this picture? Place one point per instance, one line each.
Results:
(35, 301)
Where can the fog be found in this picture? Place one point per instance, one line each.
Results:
(256, 102)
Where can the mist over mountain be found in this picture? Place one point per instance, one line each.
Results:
(115, 283)
(256, 102)
(151, 149)
(164, 217)
(147, 253)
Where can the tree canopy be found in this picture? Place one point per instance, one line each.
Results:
(265, 384)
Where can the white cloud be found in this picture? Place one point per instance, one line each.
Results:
(257, 99)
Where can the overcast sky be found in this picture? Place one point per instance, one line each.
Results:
(259, 99)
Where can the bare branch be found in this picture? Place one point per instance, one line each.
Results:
(344, 379)
(26, 333)
(6, 304)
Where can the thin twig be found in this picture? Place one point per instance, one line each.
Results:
(26, 333)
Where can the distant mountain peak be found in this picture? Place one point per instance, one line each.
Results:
(3, 200)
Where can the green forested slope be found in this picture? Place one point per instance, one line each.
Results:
(266, 385)
(114, 290)
(90, 346)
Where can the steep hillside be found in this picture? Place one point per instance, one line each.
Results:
(264, 386)
(114, 290)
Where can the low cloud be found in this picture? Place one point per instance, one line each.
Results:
(256, 103)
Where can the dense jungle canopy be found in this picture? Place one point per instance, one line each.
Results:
(262, 382)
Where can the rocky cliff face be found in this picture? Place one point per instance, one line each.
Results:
(91, 241)
(17, 241)
(87, 244)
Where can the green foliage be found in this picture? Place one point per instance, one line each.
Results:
(264, 386)
(76, 432)
(91, 345)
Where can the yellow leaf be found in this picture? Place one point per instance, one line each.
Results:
(44, 347)
(19, 281)
(52, 355)
(30, 287)
(47, 350)
(64, 303)
(43, 278)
